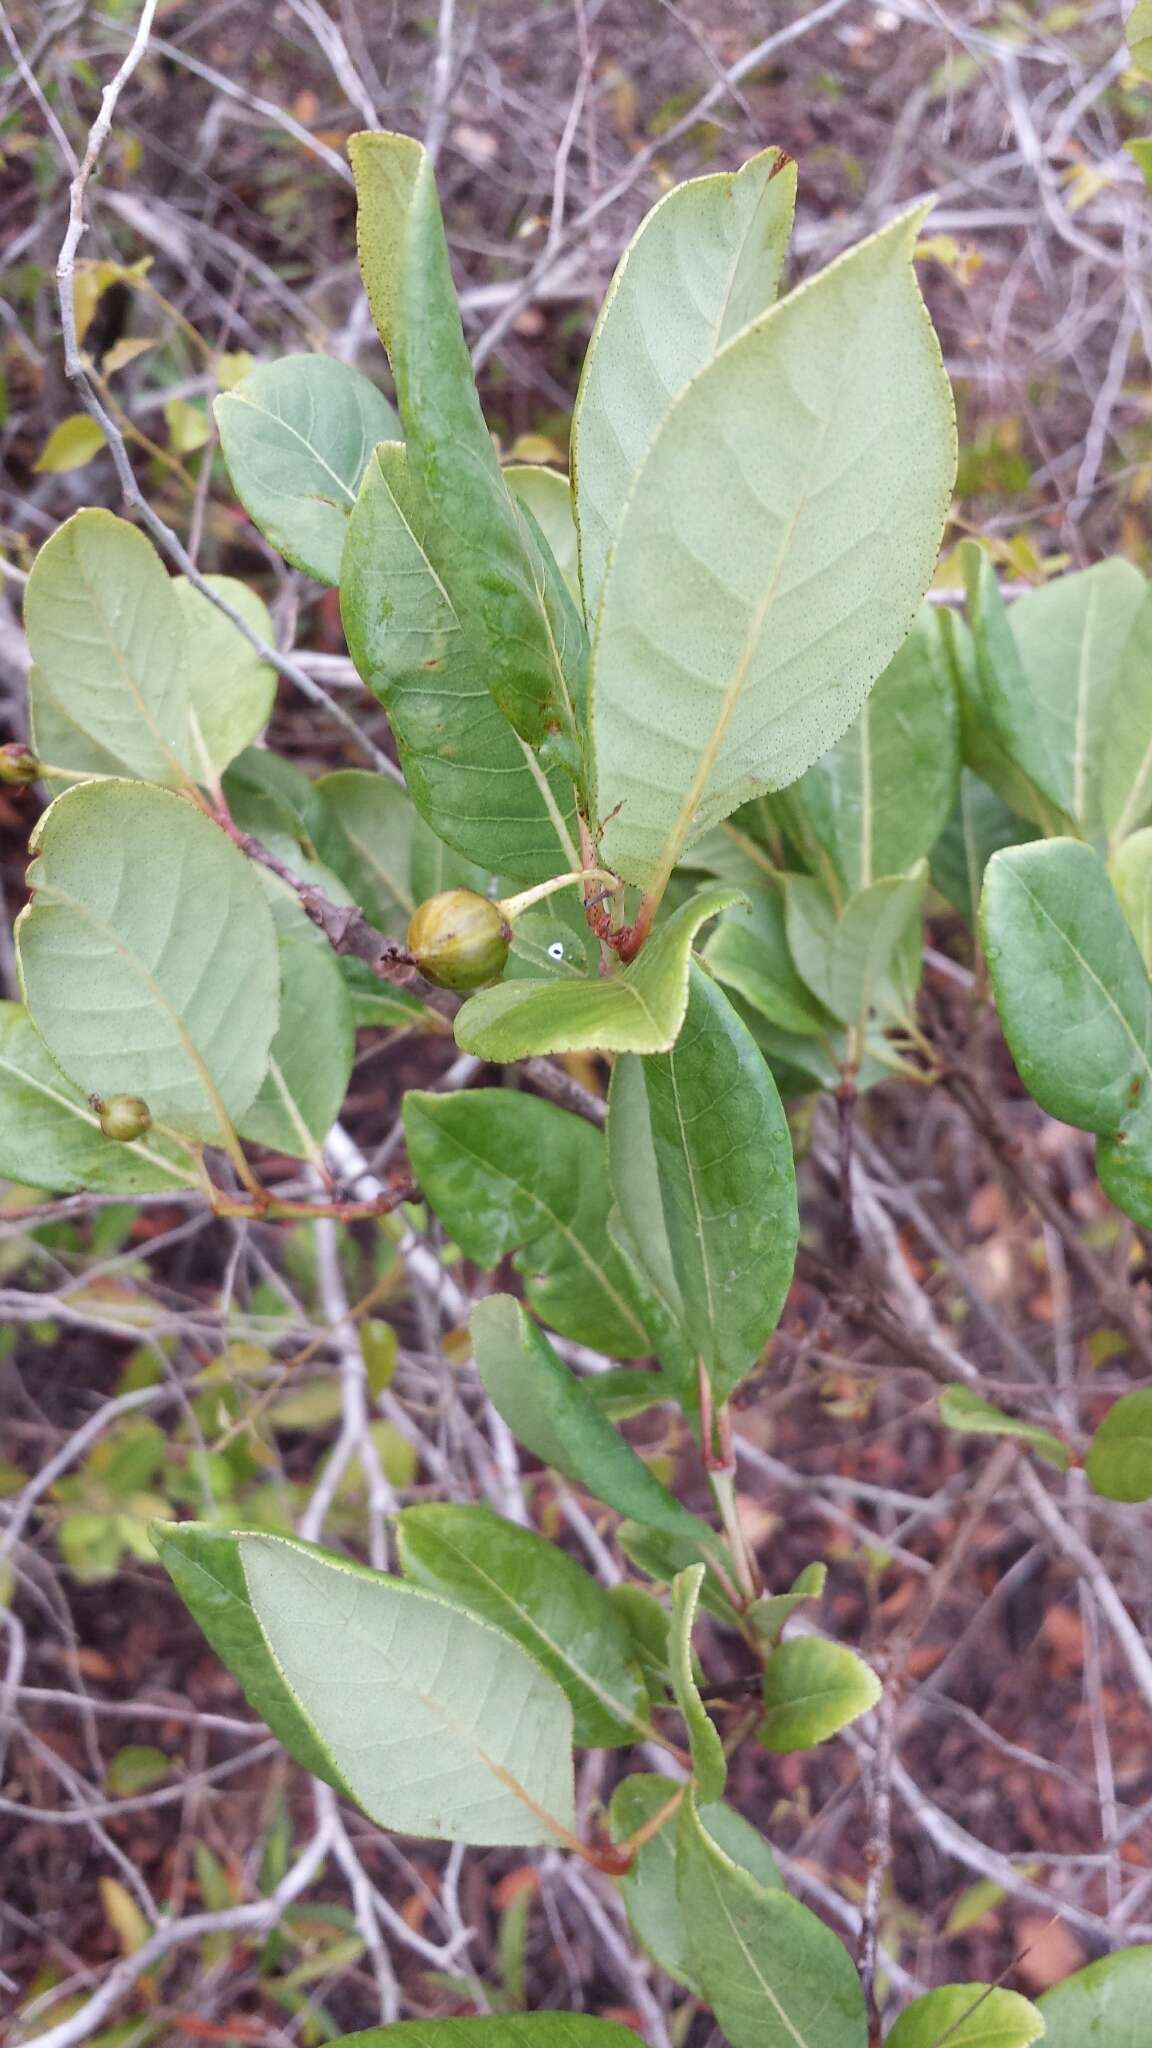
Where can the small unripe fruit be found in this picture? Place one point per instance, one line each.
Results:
(18, 764)
(125, 1117)
(459, 940)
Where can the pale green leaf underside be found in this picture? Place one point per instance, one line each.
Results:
(1126, 743)
(705, 262)
(1130, 872)
(297, 435)
(1103, 2006)
(50, 1136)
(549, 499)
(529, 1587)
(709, 1764)
(639, 1010)
(775, 546)
(969, 2016)
(649, 1889)
(148, 955)
(310, 1059)
(773, 1974)
(438, 1724)
(854, 961)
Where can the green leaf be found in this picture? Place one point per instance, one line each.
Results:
(748, 952)
(296, 436)
(135, 672)
(363, 830)
(709, 1764)
(553, 1417)
(663, 1556)
(1139, 147)
(701, 1160)
(275, 801)
(526, 1586)
(638, 1010)
(433, 1722)
(879, 799)
(508, 2030)
(1103, 2006)
(510, 1173)
(548, 497)
(704, 263)
(1119, 1461)
(72, 443)
(136, 1768)
(1138, 35)
(232, 691)
(1075, 1003)
(1125, 765)
(968, 2016)
(967, 1412)
(148, 955)
(50, 1136)
(865, 959)
(308, 1068)
(1130, 872)
(980, 824)
(773, 1974)
(478, 785)
(743, 622)
(490, 568)
(649, 1888)
(812, 1689)
(1071, 636)
(769, 1614)
(1016, 748)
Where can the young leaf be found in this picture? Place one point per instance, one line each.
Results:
(148, 955)
(1106, 2003)
(363, 830)
(72, 442)
(1126, 747)
(649, 1888)
(812, 1689)
(50, 1136)
(769, 1614)
(704, 263)
(433, 1722)
(865, 959)
(1071, 635)
(742, 625)
(639, 1010)
(709, 1764)
(308, 1069)
(701, 1161)
(533, 1591)
(1119, 1461)
(879, 799)
(508, 2030)
(773, 1974)
(296, 436)
(969, 1414)
(511, 1173)
(968, 2016)
(478, 785)
(554, 1418)
(547, 496)
(1075, 1003)
(491, 573)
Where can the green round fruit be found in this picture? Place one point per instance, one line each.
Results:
(459, 940)
(125, 1117)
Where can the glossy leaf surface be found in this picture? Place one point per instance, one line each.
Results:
(968, 2016)
(812, 1689)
